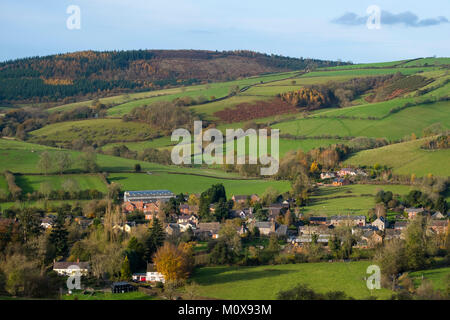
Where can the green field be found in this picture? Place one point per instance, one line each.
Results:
(395, 126)
(193, 184)
(22, 157)
(354, 199)
(437, 276)
(406, 158)
(3, 184)
(109, 296)
(99, 129)
(264, 282)
(83, 182)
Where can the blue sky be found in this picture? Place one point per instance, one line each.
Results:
(317, 29)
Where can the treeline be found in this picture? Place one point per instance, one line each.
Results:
(53, 78)
(440, 142)
(333, 93)
(149, 154)
(17, 123)
(164, 116)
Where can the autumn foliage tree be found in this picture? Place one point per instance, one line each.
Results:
(175, 263)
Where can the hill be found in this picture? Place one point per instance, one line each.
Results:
(53, 78)
(406, 158)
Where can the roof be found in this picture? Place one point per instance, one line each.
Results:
(439, 223)
(263, 224)
(208, 226)
(413, 210)
(67, 264)
(147, 193)
(240, 197)
(321, 219)
(400, 224)
(282, 230)
(348, 217)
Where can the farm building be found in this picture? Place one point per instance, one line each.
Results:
(148, 196)
(122, 287)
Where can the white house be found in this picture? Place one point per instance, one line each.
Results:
(67, 268)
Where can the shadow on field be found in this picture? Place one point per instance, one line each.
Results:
(227, 274)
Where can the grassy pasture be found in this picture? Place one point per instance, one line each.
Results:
(193, 184)
(350, 199)
(367, 65)
(218, 90)
(99, 129)
(83, 182)
(406, 158)
(427, 61)
(396, 126)
(367, 72)
(22, 157)
(439, 277)
(264, 282)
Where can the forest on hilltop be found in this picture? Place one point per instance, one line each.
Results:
(65, 76)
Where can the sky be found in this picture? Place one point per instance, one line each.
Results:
(329, 30)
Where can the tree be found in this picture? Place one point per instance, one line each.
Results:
(416, 243)
(154, 240)
(63, 161)
(171, 262)
(137, 167)
(125, 271)
(392, 260)
(58, 237)
(335, 245)
(88, 160)
(45, 162)
(288, 218)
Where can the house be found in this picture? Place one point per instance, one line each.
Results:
(318, 220)
(274, 210)
(187, 219)
(380, 223)
(172, 229)
(208, 230)
(46, 223)
(413, 212)
(348, 220)
(187, 209)
(150, 209)
(148, 196)
(240, 199)
(153, 275)
(265, 227)
(346, 172)
(438, 226)
(339, 182)
(400, 225)
(139, 277)
(322, 238)
(372, 238)
(281, 230)
(125, 227)
(316, 229)
(437, 216)
(390, 234)
(327, 175)
(67, 268)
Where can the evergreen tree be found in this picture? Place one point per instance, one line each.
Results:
(58, 237)
(125, 271)
(155, 239)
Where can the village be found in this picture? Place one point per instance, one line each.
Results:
(282, 220)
